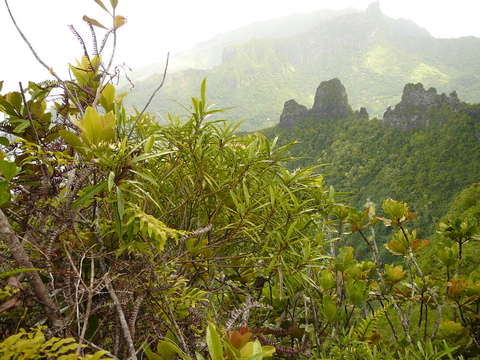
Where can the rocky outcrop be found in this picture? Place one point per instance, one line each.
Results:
(362, 113)
(412, 111)
(292, 113)
(331, 100)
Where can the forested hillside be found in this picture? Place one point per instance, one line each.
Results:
(424, 151)
(373, 54)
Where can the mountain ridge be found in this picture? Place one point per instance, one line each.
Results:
(423, 151)
(373, 54)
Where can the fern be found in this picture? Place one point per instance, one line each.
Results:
(368, 324)
(33, 345)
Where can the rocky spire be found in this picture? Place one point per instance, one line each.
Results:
(292, 113)
(331, 100)
(412, 111)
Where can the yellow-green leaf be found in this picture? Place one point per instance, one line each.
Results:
(100, 3)
(214, 343)
(119, 21)
(107, 99)
(93, 22)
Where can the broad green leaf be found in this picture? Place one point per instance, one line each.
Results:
(15, 99)
(199, 356)
(107, 99)
(8, 169)
(71, 139)
(329, 308)
(153, 356)
(214, 343)
(166, 350)
(22, 126)
(4, 192)
(97, 128)
(7, 108)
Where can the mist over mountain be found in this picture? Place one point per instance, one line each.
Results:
(208, 54)
(264, 64)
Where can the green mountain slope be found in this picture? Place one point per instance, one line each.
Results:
(373, 54)
(424, 151)
(208, 54)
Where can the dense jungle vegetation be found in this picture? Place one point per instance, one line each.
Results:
(372, 160)
(121, 238)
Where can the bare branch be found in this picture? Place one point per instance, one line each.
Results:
(133, 317)
(151, 97)
(158, 87)
(112, 56)
(94, 40)
(8, 235)
(89, 305)
(49, 68)
(82, 43)
(123, 321)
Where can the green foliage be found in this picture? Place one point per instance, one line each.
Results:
(34, 345)
(146, 232)
(425, 167)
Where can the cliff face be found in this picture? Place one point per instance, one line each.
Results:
(292, 113)
(412, 111)
(331, 102)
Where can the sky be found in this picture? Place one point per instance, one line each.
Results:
(155, 27)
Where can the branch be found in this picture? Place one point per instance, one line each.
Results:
(151, 96)
(107, 69)
(133, 317)
(121, 315)
(8, 235)
(158, 87)
(49, 69)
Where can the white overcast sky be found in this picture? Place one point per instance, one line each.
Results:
(157, 26)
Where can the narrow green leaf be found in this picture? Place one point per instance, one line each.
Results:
(149, 144)
(93, 22)
(203, 91)
(111, 180)
(89, 193)
(120, 203)
(100, 3)
(17, 271)
(214, 343)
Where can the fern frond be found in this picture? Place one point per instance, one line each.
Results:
(370, 323)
